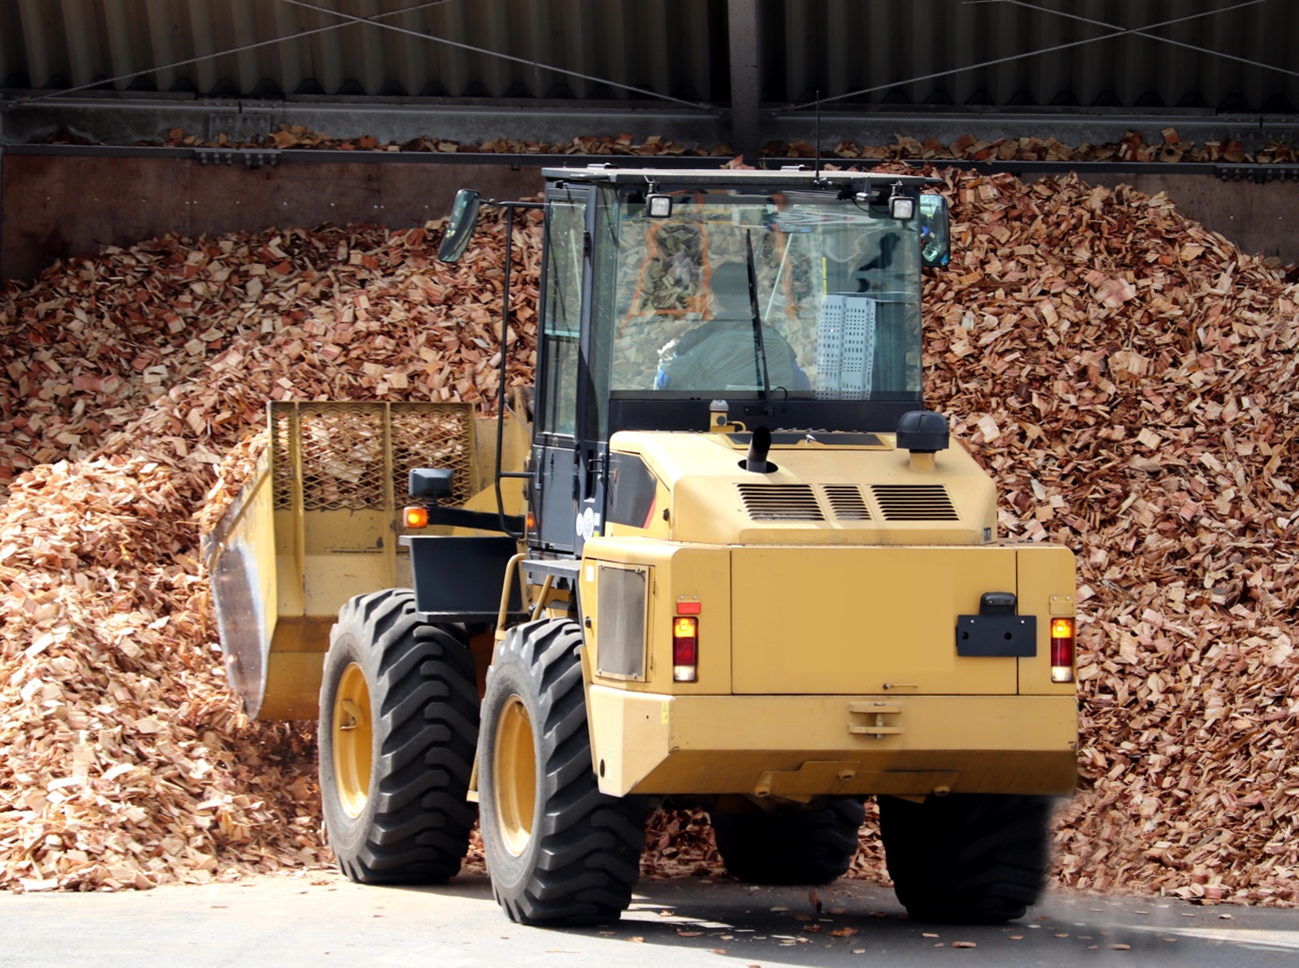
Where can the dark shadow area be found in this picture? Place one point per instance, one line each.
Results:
(846, 921)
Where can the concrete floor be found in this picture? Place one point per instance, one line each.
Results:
(320, 918)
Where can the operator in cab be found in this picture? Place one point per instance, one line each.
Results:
(722, 353)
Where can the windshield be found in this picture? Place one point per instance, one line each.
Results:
(837, 287)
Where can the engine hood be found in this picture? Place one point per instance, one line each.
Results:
(826, 488)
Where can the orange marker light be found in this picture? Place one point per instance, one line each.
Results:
(416, 517)
(685, 649)
(1062, 649)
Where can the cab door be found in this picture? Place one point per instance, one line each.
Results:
(566, 293)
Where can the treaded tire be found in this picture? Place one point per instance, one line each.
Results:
(558, 851)
(409, 822)
(966, 858)
(796, 848)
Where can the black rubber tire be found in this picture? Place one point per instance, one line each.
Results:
(967, 858)
(581, 857)
(414, 826)
(797, 848)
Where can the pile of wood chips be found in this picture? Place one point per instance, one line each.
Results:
(1129, 380)
(124, 759)
(1130, 148)
(1127, 376)
(299, 137)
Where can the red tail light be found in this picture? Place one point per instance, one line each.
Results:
(685, 649)
(1062, 650)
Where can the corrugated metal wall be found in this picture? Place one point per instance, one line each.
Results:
(666, 46)
(671, 47)
(838, 46)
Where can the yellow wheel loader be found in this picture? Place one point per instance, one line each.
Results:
(723, 559)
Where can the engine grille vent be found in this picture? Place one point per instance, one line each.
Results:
(780, 502)
(846, 502)
(914, 502)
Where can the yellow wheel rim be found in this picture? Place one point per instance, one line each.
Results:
(514, 775)
(353, 735)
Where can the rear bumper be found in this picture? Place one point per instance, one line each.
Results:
(800, 746)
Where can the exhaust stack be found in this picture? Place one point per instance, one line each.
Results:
(756, 460)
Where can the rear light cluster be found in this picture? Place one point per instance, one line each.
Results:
(1062, 649)
(685, 643)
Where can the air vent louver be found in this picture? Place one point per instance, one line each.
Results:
(780, 502)
(846, 502)
(914, 502)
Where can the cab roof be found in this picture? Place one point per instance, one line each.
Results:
(722, 177)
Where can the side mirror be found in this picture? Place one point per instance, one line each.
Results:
(460, 226)
(429, 482)
(935, 231)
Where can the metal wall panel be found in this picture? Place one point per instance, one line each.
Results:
(657, 44)
(883, 46)
(673, 47)
(55, 207)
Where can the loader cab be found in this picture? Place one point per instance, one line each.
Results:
(651, 282)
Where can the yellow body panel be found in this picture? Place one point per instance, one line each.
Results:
(700, 476)
(805, 621)
(828, 661)
(841, 620)
(803, 745)
(677, 573)
(1046, 589)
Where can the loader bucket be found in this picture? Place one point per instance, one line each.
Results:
(317, 524)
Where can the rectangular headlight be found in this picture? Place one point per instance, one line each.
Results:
(621, 597)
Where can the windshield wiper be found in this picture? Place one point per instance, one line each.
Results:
(760, 360)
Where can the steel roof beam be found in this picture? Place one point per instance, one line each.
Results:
(742, 21)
